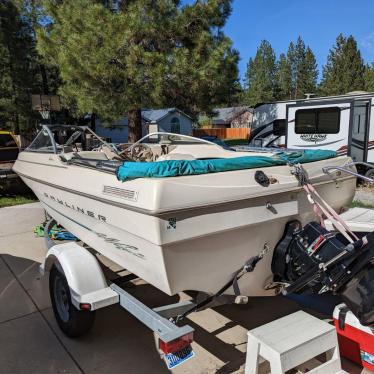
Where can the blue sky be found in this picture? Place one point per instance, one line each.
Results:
(318, 22)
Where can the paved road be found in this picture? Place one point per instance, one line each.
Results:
(30, 341)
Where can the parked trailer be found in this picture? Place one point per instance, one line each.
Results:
(342, 123)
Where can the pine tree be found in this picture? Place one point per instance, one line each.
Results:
(284, 78)
(308, 74)
(22, 71)
(369, 78)
(144, 53)
(16, 79)
(292, 62)
(297, 73)
(299, 67)
(344, 70)
(45, 78)
(261, 75)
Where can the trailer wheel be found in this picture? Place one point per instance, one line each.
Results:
(370, 173)
(72, 321)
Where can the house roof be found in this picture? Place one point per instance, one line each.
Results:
(155, 115)
(150, 115)
(226, 115)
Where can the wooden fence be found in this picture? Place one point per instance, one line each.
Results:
(224, 133)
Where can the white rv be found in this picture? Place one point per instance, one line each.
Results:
(342, 123)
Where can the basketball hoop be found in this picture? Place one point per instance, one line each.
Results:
(45, 112)
(44, 104)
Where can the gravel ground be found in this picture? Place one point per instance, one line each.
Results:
(365, 195)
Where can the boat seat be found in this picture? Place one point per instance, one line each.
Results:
(176, 156)
(92, 155)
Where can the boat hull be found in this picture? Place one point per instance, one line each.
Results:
(188, 249)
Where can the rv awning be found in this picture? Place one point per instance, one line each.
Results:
(177, 168)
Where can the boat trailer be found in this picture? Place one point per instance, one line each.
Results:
(88, 290)
(78, 287)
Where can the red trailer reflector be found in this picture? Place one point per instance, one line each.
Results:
(85, 306)
(177, 344)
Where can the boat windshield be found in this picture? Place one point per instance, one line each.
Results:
(169, 138)
(43, 142)
(65, 138)
(77, 140)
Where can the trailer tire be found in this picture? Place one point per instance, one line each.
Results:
(370, 173)
(72, 321)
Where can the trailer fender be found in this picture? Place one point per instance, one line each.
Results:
(83, 273)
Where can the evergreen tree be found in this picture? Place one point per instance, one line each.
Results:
(344, 70)
(144, 53)
(369, 78)
(297, 73)
(292, 63)
(16, 78)
(284, 78)
(299, 67)
(261, 75)
(45, 78)
(22, 71)
(308, 74)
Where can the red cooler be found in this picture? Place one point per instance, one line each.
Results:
(356, 342)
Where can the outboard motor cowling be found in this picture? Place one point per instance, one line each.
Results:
(311, 259)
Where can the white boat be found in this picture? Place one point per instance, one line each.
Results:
(179, 233)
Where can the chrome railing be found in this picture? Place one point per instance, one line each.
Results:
(344, 169)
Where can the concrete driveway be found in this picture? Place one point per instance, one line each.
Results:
(30, 341)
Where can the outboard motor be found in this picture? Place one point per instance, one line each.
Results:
(311, 259)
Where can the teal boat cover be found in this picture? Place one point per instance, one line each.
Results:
(176, 168)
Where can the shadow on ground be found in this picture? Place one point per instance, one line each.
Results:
(31, 342)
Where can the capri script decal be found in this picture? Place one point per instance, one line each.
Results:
(122, 246)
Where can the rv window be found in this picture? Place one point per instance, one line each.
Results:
(279, 127)
(328, 120)
(317, 121)
(305, 121)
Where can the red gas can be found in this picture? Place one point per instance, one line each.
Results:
(356, 342)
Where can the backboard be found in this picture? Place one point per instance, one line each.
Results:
(44, 104)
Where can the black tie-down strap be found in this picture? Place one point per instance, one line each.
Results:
(342, 314)
(248, 267)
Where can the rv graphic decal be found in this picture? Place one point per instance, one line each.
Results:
(313, 138)
(315, 145)
(360, 144)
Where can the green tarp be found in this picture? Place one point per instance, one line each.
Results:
(176, 168)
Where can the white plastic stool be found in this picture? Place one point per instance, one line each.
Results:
(291, 341)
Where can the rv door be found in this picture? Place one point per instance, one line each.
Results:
(319, 126)
(358, 146)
